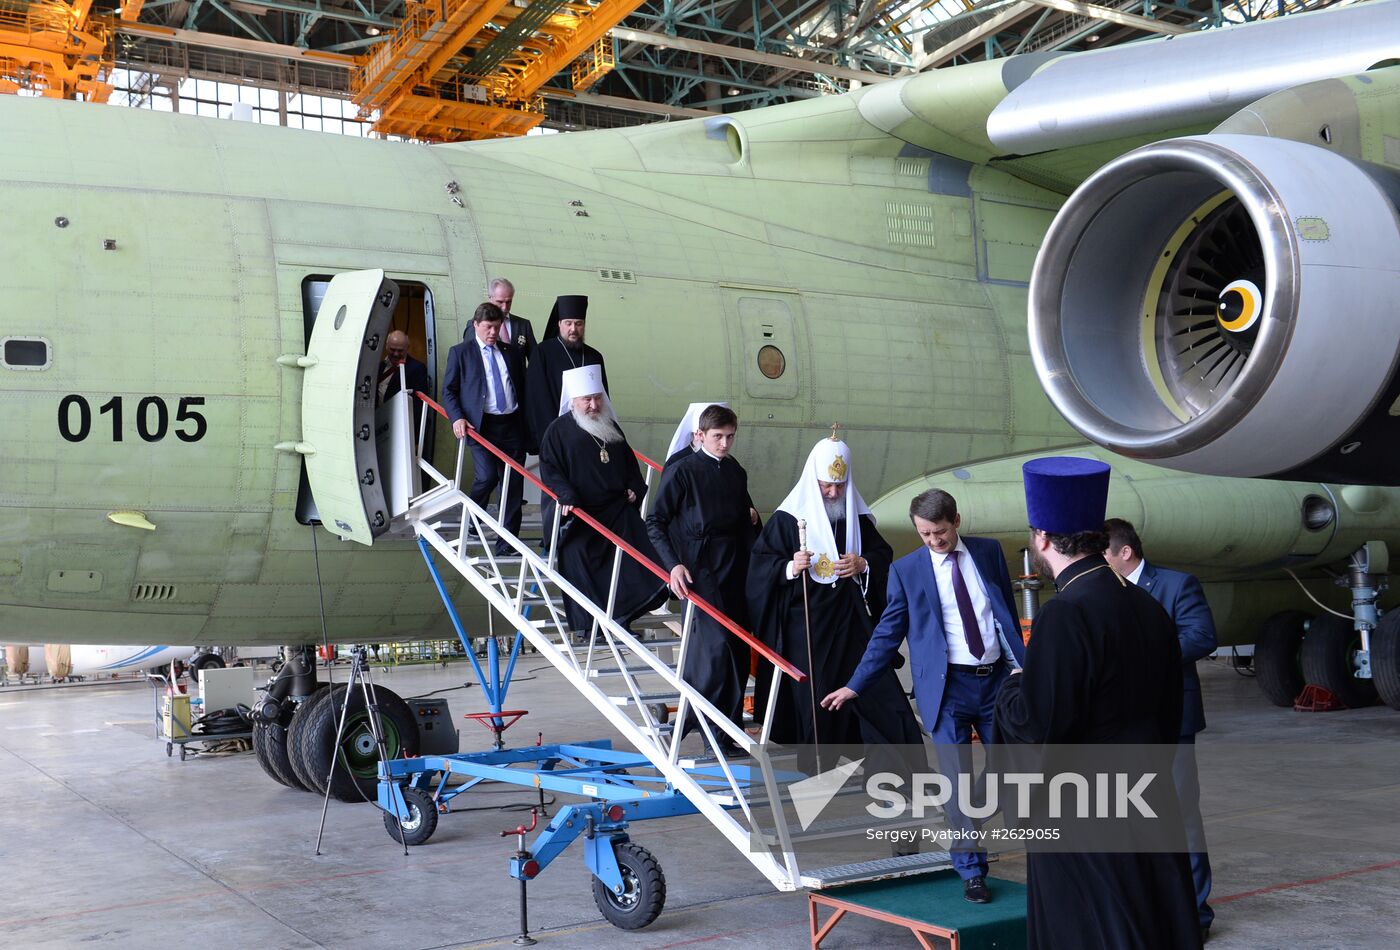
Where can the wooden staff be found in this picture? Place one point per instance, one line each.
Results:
(811, 657)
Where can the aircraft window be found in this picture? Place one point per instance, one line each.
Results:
(1318, 512)
(29, 353)
(771, 362)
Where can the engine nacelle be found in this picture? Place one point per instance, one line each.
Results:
(1228, 305)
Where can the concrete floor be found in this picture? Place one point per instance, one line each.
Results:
(105, 840)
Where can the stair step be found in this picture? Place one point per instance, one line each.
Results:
(876, 870)
(646, 698)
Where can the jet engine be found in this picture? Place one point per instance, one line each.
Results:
(1228, 305)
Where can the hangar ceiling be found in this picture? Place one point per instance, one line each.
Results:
(459, 69)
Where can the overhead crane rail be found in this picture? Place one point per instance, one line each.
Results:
(473, 69)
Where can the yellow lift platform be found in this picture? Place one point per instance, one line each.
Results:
(473, 69)
(56, 48)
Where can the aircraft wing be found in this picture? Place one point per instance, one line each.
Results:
(1130, 94)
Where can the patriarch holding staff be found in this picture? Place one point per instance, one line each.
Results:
(824, 628)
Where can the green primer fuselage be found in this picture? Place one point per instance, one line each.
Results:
(892, 278)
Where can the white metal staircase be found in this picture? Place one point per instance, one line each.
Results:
(625, 674)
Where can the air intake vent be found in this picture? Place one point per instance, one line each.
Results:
(150, 592)
(910, 223)
(616, 276)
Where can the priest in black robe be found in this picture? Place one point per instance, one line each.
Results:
(843, 565)
(586, 461)
(701, 527)
(1103, 667)
(562, 349)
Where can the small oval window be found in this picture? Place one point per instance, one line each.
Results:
(340, 317)
(1318, 512)
(771, 361)
(29, 353)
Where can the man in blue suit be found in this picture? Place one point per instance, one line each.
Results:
(484, 388)
(952, 602)
(1183, 598)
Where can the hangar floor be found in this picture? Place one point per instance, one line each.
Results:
(105, 840)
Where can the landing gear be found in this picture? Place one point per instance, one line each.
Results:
(422, 818)
(1277, 665)
(270, 748)
(1329, 657)
(643, 892)
(356, 774)
(1385, 659)
(204, 661)
(296, 737)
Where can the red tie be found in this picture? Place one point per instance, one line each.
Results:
(971, 631)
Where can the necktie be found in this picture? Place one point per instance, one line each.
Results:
(971, 631)
(495, 378)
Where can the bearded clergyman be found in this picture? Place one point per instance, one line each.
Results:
(843, 565)
(586, 461)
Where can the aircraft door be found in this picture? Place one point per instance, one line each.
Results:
(338, 403)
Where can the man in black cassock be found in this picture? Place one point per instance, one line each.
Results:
(562, 349)
(845, 563)
(702, 529)
(1103, 667)
(586, 461)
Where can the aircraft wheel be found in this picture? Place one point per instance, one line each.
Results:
(643, 889)
(356, 775)
(1327, 661)
(270, 749)
(169, 749)
(1385, 658)
(295, 740)
(1277, 666)
(204, 661)
(422, 818)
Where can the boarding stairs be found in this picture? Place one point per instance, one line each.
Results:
(631, 677)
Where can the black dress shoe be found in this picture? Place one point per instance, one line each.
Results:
(975, 890)
(1205, 934)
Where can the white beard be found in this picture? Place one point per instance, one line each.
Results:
(835, 510)
(599, 426)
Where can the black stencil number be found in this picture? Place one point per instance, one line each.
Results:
(152, 418)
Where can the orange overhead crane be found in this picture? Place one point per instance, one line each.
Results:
(472, 69)
(55, 48)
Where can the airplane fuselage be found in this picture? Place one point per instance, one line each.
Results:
(798, 262)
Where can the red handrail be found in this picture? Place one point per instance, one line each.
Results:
(713, 612)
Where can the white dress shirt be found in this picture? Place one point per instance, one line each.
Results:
(952, 617)
(496, 403)
(1136, 574)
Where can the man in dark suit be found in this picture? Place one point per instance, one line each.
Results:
(485, 389)
(1185, 601)
(953, 604)
(396, 355)
(516, 331)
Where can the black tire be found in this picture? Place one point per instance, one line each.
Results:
(1327, 661)
(296, 732)
(356, 776)
(644, 889)
(1385, 658)
(1277, 667)
(270, 748)
(422, 817)
(204, 661)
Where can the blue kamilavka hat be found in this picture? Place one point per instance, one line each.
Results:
(1066, 495)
